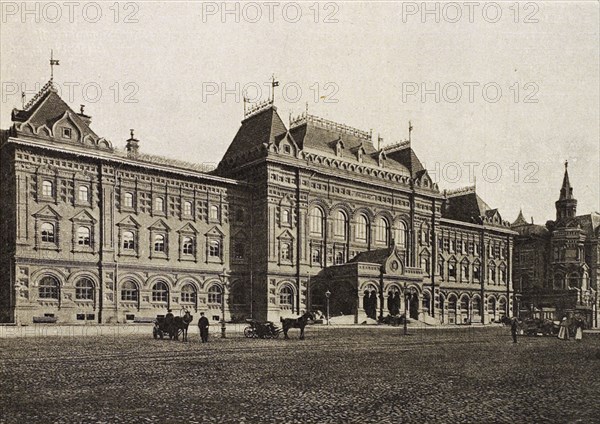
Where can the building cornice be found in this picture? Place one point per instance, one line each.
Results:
(506, 231)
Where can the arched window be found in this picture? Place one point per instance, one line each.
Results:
(128, 200)
(214, 213)
(187, 208)
(187, 246)
(47, 232)
(316, 255)
(84, 289)
(286, 251)
(83, 236)
(476, 306)
(464, 303)
(188, 293)
(339, 257)
(159, 204)
(425, 263)
(401, 234)
(452, 269)
(160, 292)
(476, 271)
(84, 194)
(502, 307)
(286, 296)
(215, 294)
(48, 288)
(316, 222)
(159, 243)
(285, 216)
(214, 248)
(464, 271)
(382, 230)
(441, 266)
(47, 188)
(340, 225)
(452, 304)
(129, 291)
(493, 274)
(362, 226)
(128, 240)
(574, 280)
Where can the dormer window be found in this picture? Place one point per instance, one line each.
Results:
(287, 149)
(67, 132)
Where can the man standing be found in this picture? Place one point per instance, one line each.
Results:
(514, 327)
(203, 326)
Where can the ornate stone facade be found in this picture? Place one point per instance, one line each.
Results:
(94, 234)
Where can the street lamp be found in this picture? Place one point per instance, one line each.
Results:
(327, 295)
(223, 277)
(405, 310)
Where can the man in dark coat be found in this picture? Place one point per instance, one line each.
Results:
(514, 327)
(203, 326)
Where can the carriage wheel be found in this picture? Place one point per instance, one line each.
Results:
(249, 332)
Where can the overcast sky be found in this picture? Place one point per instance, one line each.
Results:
(492, 87)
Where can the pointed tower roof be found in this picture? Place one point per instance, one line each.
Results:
(566, 191)
(520, 221)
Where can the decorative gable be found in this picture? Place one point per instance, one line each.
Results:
(188, 228)
(129, 221)
(394, 265)
(84, 216)
(214, 232)
(286, 235)
(160, 225)
(47, 212)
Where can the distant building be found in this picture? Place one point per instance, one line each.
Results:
(89, 233)
(556, 265)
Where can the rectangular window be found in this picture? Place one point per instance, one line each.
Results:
(66, 132)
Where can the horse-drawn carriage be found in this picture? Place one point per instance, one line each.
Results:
(261, 329)
(173, 327)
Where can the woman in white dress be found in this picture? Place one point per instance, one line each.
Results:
(579, 330)
(563, 332)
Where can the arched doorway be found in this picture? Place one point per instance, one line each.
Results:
(442, 314)
(464, 309)
(393, 300)
(370, 301)
(413, 306)
(452, 309)
(491, 309)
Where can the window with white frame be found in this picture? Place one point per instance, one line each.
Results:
(187, 246)
(159, 204)
(465, 271)
(129, 291)
(84, 289)
(214, 248)
(48, 288)
(286, 251)
(340, 225)
(316, 255)
(47, 233)
(215, 294)
(188, 293)
(128, 240)
(362, 225)
(285, 217)
(214, 213)
(84, 194)
(128, 200)
(382, 230)
(286, 296)
(187, 208)
(47, 188)
(401, 234)
(160, 292)
(316, 222)
(452, 269)
(83, 236)
(159, 243)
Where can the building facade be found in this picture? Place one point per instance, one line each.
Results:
(557, 265)
(91, 233)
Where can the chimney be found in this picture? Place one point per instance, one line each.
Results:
(132, 146)
(85, 118)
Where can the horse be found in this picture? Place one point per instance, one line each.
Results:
(182, 323)
(299, 322)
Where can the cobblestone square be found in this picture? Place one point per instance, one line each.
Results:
(336, 375)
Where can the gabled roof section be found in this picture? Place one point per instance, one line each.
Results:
(589, 223)
(160, 225)
(128, 221)
(262, 128)
(47, 114)
(520, 221)
(47, 212)
(84, 216)
(377, 256)
(465, 205)
(403, 153)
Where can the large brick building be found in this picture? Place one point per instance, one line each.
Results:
(557, 265)
(93, 233)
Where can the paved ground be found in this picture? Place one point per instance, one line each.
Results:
(339, 375)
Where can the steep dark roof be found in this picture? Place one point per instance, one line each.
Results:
(468, 207)
(378, 256)
(589, 223)
(262, 128)
(520, 220)
(566, 191)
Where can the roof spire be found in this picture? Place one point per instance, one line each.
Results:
(566, 191)
(53, 63)
(410, 128)
(273, 85)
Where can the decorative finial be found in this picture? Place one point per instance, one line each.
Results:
(306, 111)
(131, 132)
(273, 85)
(81, 108)
(410, 128)
(23, 99)
(566, 164)
(53, 62)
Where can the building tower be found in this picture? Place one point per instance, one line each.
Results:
(566, 205)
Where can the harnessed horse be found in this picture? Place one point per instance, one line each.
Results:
(300, 323)
(182, 323)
